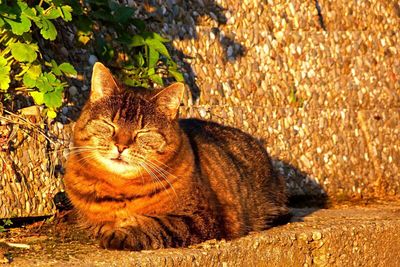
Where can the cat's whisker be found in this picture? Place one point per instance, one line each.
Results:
(149, 170)
(170, 174)
(162, 164)
(83, 151)
(154, 177)
(90, 156)
(162, 172)
(69, 151)
(167, 173)
(141, 174)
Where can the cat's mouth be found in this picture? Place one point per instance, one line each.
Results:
(119, 160)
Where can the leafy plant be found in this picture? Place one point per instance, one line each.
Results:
(21, 60)
(28, 27)
(5, 223)
(294, 99)
(121, 39)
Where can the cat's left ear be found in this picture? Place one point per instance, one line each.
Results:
(103, 83)
(169, 99)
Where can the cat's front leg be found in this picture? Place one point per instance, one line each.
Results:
(127, 238)
(154, 232)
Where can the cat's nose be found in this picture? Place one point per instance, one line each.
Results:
(121, 148)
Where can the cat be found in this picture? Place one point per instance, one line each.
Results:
(141, 178)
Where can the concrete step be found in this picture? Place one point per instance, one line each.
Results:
(353, 235)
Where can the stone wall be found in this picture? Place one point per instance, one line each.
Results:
(31, 156)
(316, 81)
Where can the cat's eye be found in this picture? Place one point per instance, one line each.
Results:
(101, 127)
(150, 140)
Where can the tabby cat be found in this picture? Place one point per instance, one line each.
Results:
(140, 178)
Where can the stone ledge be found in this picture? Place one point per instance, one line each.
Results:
(363, 235)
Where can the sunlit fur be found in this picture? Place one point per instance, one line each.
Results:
(140, 178)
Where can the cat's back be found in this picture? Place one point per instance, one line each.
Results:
(236, 143)
(239, 171)
(207, 133)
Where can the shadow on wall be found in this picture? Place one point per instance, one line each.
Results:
(176, 19)
(179, 19)
(303, 190)
(305, 195)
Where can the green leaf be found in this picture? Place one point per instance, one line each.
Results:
(139, 60)
(53, 13)
(103, 15)
(43, 86)
(154, 36)
(151, 71)
(177, 75)
(122, 14)
(77, 8)
(19, 27)
(137, 40)
(66, 13)
(68, 69)
(46, 82)
(53, 99)
(112, 5)
(35, 70)
(18, 17)
(29, 12)
(51, 114)
(84, 24)
(24, 52)
(159, 46)
(55, 68)
(139, 24)
(4, 74)
(104, 50)
(37, 97)
(31, 75)
(48, 30)
(1, 22)
(130, 82)
(292, 95)
(28, 81)
(156, 78)
(153, 57)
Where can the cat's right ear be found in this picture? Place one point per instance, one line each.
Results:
(103, 83)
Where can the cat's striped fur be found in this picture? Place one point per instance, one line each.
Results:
(140, 178)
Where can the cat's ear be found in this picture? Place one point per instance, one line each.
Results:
(103, 83)
(169, 99)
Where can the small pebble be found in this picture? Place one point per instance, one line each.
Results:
(73, 90)
(92, 59)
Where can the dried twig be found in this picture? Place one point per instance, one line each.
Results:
(17, 245)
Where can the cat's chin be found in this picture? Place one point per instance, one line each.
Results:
(121, 168)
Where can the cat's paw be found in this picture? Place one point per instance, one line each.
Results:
(128, 239)
(120, 239)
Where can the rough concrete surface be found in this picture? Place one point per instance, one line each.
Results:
(349, 235)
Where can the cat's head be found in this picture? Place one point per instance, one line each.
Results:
(126, 131)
